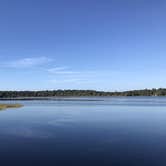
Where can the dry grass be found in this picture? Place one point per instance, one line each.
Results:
(5, 106)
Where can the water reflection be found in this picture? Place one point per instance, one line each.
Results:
(106, 131)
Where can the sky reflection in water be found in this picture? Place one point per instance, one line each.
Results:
(117, 131)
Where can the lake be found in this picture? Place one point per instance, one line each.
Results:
(99, 131)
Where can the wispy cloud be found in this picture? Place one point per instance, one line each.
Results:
(26, 62)
(69, 80)
(64, 75)
(55, 74)
(62, 70)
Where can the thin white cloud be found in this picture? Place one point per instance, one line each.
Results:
(72, 80)
(62, 70)
(26, 62)
(63, 75)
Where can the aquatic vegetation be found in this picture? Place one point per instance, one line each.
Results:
(6, 106)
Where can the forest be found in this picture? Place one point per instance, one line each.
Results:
(68, 93)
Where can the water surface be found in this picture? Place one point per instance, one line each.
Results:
(119, 131)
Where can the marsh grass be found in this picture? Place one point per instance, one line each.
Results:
(6, 106)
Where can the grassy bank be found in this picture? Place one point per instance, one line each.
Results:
(6, 106)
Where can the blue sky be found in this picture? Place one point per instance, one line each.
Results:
(76, 44)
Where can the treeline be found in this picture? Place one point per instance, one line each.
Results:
(52, 93)
(144, 92)
(65, 93)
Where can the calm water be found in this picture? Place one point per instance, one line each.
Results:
(85, 132)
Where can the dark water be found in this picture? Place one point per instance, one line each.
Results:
(85, 132)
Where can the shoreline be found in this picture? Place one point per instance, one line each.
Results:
(58, 98)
